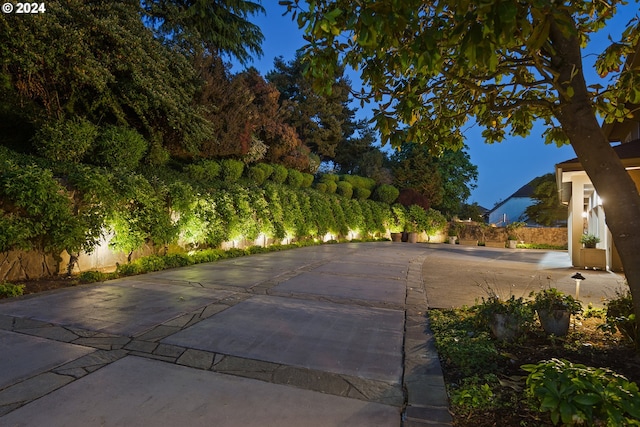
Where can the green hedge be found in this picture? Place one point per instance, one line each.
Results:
(386, 193)
(55, 206)
(231, 170)
(344, 189)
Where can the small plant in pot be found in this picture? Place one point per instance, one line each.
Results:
(453, 232)
(554, 310)
(506, 319)
(397, 222)
(589, 240)
(512, 233)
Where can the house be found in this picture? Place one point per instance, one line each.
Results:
(512, 209)
(585, 211)
(586, 214)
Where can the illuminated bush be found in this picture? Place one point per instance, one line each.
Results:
(65, 140)
(386, 193)
(118, 146)
(344, 189)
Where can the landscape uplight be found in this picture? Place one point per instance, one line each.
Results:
(578, 278)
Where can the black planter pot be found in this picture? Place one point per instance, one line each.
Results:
(555, 322)
(505, 327)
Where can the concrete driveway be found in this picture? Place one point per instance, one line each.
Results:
(332, 335)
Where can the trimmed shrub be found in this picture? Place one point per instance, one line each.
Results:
(92, 276)
(65, 140)
(307, 180)
(279, 174)
(344, 189)
(119, 146)
(357, 181)
(361, 193)
(329, 177)
(386, 193)
(257, 175)
(332, 187)
(294, 178)
(231, 170)
(204, 171)
(321, 187)
(267, 169)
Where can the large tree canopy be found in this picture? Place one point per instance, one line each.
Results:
(324, 122)
(445, 180)
(434, 65)
(219, 26)
(98, 61)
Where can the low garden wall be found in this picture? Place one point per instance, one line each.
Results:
(497, 236)
(28, 265)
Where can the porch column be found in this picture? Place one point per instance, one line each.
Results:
(575, 225)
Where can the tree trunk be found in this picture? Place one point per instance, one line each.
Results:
(619, 194)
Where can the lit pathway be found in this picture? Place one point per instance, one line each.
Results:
(333, 335)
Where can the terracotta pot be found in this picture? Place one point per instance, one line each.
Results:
(396, 237)
(412, 238)
(555, 322)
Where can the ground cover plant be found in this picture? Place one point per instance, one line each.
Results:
(588, 377)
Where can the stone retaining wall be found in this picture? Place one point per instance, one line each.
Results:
(531, 235)
(21, 265)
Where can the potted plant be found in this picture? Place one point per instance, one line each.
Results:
(589, 240)
(512, 234)
(411, 229)
(416, 220)
(506, 318)
(554, 310)
(590, 256)
(397, 222)
(453, 233)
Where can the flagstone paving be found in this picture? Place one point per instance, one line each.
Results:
(334, 335)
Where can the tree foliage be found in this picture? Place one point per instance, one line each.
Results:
(547, 210)
(217, 26)
(324, 122)
(433, 66)
(97, 61)
(445, 180)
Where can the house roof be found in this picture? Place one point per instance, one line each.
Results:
(524, 191)
(628, 152)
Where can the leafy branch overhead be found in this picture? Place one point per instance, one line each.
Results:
(432, 65)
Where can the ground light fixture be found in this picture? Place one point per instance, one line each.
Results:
(578, 278)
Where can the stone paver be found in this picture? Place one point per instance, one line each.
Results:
(453, 274)
(43, 355)
(343, 287)
(126, 307)
(147, 392)
(357, 341)
(328, 335)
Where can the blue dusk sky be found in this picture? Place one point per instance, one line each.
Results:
(502, 168)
